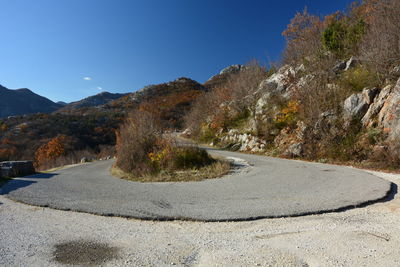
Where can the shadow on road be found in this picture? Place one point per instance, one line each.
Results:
(16, 184)
(40, 176)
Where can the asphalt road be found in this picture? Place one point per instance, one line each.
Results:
(268, 188)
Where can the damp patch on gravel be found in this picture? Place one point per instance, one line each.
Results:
(84, 252)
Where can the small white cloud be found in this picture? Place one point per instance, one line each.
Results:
(99, 88)
(87, 78)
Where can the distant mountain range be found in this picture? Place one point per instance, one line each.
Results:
(24, 101)
(91, 101)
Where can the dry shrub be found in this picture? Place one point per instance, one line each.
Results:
(387, 155)
(50, 151)
(303, 38)
(204, 108)
(381, 45)
(106, 151)
(143, 149)
(222, 106)
(244, 86)
(169, 156)
(135, 140)
(72, 157)
(355, 80)
(319, 96)
(214, 170)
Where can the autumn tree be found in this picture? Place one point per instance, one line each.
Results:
(381, 45)
(303, 37)
(50, 151)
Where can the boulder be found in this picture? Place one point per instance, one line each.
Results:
(345, 65)
(377, 105)
(339, 67)
(389, 115)
(290, 142)
(294, 150)
(351, 63)
(395, 72)
(355, 107)
(243, 142)
(232, 69)
(279, 81)
(187, 132)
(282, 83)
(16, 168)
(235, 147)
(369, 94)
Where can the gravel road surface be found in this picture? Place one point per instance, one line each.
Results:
(269, 188)
(34, 236)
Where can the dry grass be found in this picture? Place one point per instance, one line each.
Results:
(215, 170)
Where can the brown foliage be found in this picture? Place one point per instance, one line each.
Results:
(50, 151)
(135, 140)
(303, 38)
(237, 95)
(244, 85)
(143, 149)
(169, 108)
(381, 45)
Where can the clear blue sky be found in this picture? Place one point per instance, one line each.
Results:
(50, 46)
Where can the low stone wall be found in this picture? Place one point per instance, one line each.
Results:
(16, 168)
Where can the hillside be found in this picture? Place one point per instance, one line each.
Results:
(170, 101)
(91, 101)
(90, 130)
(335, 97)
(23, 101)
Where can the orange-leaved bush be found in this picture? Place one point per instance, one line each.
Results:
(50, 151)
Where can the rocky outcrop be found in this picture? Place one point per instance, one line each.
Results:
(395, 72)
(92, 101)
(243, 142)
(351, 63)
(278, 82)
(345, 65)
(282, 84)
(290, 142)
(221, 78)
(357, 106)
(339, 67)
(232, 69)
(326, 124)
(16, 168)
(376, 106)
(372, 107)
(389, 116)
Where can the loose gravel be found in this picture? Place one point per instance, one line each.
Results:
(368, 236)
